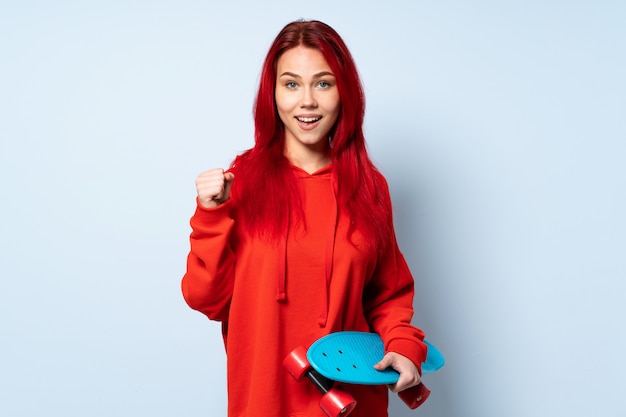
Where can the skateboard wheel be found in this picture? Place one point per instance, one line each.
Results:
(337, 402)
(296, 363)
(414, 396)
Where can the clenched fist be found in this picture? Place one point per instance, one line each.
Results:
(213, 187)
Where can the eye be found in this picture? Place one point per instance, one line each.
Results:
(324, 84)
(291, 84)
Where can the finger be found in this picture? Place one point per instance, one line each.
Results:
(228, 182)
(401, 385)
(406, 381)
(210, 187)
(383, 364)
(208, 178)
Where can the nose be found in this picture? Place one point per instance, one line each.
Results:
(308, 98)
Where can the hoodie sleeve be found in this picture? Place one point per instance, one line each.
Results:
(388, 302)
(207, 285)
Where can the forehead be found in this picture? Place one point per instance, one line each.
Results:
(302, 60)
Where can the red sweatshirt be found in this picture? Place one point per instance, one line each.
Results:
(273, 297)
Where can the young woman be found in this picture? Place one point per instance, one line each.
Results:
(296, 239)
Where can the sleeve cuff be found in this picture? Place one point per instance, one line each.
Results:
(211, 217)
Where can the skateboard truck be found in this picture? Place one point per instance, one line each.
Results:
(335, 401)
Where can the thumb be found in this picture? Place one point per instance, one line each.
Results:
(228, 182)
(384, 363)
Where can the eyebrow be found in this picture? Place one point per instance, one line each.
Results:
(318, 75)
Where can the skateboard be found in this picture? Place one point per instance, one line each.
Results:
(349, 357)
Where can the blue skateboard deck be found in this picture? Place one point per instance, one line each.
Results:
(350, 357)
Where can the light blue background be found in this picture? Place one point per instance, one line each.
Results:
(500, 126)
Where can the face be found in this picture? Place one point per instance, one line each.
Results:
(307, 99)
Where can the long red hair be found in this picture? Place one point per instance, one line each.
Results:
(266, 186)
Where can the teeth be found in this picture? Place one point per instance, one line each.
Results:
(308, 119)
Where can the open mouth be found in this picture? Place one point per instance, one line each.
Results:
(308, 119)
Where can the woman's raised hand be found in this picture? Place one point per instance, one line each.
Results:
(213, 187)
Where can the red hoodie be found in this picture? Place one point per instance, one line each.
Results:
(272, 297)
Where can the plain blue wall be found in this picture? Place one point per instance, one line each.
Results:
(501, 127)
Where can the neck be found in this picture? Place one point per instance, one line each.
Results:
(308, 159)
(310, 165)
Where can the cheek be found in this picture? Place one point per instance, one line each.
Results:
(284, 106)
(334, 107)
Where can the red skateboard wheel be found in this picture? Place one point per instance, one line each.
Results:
(414, 396)
(296, 363)
(337, 402)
